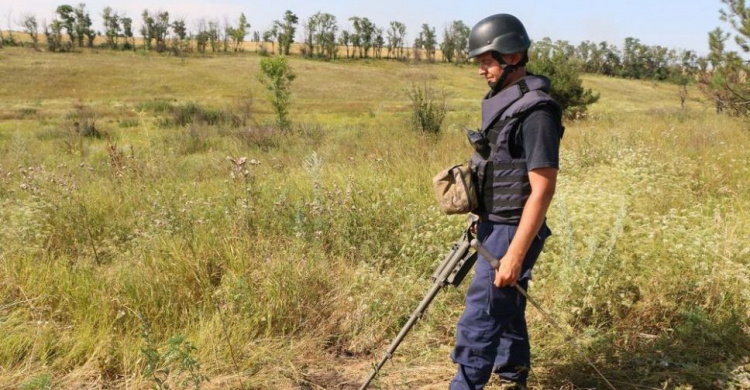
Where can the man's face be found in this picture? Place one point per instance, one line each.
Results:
(489, 68)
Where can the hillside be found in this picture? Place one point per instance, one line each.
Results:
(134, 251)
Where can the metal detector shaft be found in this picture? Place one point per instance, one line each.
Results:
(448, 267)
(412, 320)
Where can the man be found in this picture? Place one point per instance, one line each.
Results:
(515, 170)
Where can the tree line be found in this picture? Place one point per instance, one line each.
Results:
(71, 28)
(322, 38)
(722, 73)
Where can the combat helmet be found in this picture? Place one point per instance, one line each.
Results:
(501, 33)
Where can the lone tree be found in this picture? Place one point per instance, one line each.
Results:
(286, 30)
(363, 37)
(344, 40)
(83, 26)
(428, 41)
(270, 36)
(683, 74)
(68, 21)
(727, 82)
(54, 36)
(367, 36)
(161, 30)
(239, 33)
(378, 42)
(277, 77)
(324, 35)
(127, 32)
(31, 27)
(455, 42)
(112, 28)
(309, 26)
(396, 39)
(147, 30)
(180, 38)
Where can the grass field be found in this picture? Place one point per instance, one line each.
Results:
(149, 254)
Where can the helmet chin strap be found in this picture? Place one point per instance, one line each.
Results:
(498, 85)
(507, 70)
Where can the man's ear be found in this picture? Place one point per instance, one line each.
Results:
(513, 58)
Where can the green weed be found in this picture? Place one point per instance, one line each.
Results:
(27, 112)
(176, 363)
(40, 382)
(156, 105)
(127, 123)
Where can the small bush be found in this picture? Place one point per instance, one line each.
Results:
(190, 139)
(213, 117)
(27, 112)
(128, 123)
(277, 77)
(263, 137)
(312, 132)
(193, 113)
(185, 114)
(156, 105)
(428, 108)
(41, 382)
(245, 109)
(82, 121)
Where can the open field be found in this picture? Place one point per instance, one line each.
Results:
(141, 254)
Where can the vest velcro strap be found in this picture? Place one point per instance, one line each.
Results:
(515, 203)
(510, 165)
(512, 179)
(525, 190)
(505, 216)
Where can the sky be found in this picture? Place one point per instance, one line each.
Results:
(676, 24)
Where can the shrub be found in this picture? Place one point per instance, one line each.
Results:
(263, 137)
(83, 121)
(428, 108)
(566, 82)
(193, 113)
(185, 114)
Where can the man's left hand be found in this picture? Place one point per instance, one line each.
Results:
(509, 271)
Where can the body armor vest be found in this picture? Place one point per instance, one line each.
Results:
(503, 181)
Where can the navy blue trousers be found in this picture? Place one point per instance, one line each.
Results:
(491, 335)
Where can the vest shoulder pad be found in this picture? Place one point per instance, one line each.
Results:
(530, 100)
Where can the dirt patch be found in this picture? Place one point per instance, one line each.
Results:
(329, 379)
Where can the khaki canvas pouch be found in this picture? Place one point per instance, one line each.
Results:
(454, 190)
